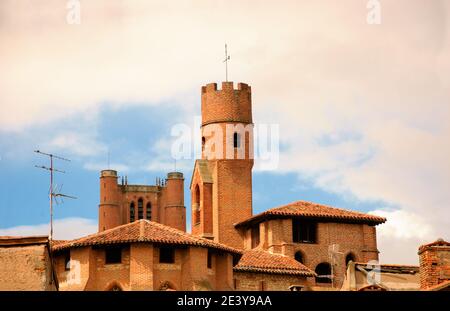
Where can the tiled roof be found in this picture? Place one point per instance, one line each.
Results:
(437, 243)
(314, 210)
(265, 262)
(143, 231)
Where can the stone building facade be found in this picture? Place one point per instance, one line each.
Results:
(26, 264)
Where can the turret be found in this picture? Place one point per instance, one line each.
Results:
(174, 209)
(222, 187)
(109, 207)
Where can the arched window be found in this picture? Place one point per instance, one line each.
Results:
(323, 271)
(349, 257)
(255, 235)
(140, 208)
(203, 143)
(299, 257)
(148, 211)
(236, 140)
(132, 212)
(197, 205)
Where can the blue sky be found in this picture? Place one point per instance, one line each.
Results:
(128, 133)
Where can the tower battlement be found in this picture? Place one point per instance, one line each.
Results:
(226, 105)
(226, 86)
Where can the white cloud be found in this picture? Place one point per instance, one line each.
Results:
(63, 229)
(399, 238)
(78, 144)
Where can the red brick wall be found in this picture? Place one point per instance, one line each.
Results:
(251, 281)
(140, 269)
(110, 209)
(167, 202)
(357, 239)
(227, 104)
(233, 204)
(434, 265)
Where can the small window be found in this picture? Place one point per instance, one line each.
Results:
(197, 205)
(67, 261)
(113, 255)
(148, 211)
(203, 143)
(132, 212)
(166, 255)
(255, 236)
(140, 208)
(303, 231)
(209, 262)
(299, 257)
(236, 140)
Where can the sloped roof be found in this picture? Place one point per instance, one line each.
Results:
(437, 243)
(265, 262)
(313, 210)
(391, 277)
(203, 169)
(143, 231)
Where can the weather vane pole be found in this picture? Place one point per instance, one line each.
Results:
(227, 58)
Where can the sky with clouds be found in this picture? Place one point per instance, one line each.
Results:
(363, 110)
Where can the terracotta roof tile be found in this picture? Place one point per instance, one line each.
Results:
(265, 262)
(437, 243)
(143, 231)
(314, 210)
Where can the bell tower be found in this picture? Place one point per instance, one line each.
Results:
(222, 181)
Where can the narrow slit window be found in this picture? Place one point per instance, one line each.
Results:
(132, 212)
(140, 209)
(236, 140)
(148, 211)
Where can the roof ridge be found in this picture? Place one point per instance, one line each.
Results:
(304, 208)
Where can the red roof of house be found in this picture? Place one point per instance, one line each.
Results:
(265, 262)
(143, 231)
(437, 243)
(314, 210)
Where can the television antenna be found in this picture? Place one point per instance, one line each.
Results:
(54, 193)
(334, 253)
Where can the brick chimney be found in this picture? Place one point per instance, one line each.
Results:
(434, 263)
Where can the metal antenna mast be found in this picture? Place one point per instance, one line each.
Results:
(227, 58)
(52, 192)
